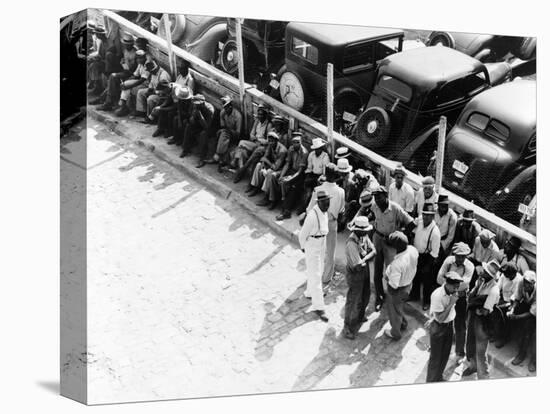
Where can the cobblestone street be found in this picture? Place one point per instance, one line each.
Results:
(189, 296)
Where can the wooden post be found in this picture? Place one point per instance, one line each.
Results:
(171, 56)
(241, 68)
(330, 107)
(440, 153)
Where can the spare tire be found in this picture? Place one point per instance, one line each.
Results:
(230, 56)
(526, 49)
(373, 128)
(177, 27)
(441, 39)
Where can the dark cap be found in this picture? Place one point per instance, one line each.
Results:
(380, 190)
(428, 208)
(515, 242)
(443, 199)
(509, 268)
(468, 215)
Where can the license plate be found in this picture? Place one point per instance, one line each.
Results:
(348, 117)
(524, 209)
(460, 166)
(274, 83)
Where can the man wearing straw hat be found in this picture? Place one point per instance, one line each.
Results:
(359, 251)
(399, 276)
(440, 325)
(231, 122)
(481, 301)
(427, 241)
(312, 242)
(459, 263)
(401, 192)
(426, 194)
(317, 160)
(337, 205)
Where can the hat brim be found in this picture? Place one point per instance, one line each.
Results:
(347, 170)
(366, 203)
(127, 41)
(368, 228)
(314, 147)
(399, 172)
(485, 267)
(431, 213)
(337, 156)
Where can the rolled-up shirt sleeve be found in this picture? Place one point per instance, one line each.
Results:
(393, 273)
(492, 299)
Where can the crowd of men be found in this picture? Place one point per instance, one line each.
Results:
(473, 291)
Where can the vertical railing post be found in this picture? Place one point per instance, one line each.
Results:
(240, 52)
(330, 107)
(171, 56)
(440, 153)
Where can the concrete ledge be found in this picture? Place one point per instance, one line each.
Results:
(222, 184)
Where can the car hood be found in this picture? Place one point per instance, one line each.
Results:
(473, 165)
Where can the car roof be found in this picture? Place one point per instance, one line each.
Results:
(429, 67)
(339, 35)
(514, 103)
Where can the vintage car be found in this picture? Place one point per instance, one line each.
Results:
(353, 50)
(484, 47)
(413, 89)
(263, 47)
(493, 142)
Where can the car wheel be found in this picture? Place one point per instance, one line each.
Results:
(441, 39)
(177, 27)
(373, 128)
(230, 56)
(292, 90)
(527, 48)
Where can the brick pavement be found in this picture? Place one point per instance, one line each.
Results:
(190, 296)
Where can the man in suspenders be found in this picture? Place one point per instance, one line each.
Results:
(427, 241)
(312, 239)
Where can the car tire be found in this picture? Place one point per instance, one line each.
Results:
(373, 128)
(306, 98)
(527, 48)
(177, 27)
(230, 57)
(441, 39)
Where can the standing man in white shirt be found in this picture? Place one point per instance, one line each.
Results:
(401, 192)
(440, 325)
(312, 239)
(481, 301)
(317, 160)
(337, 204)
(426, 194)
(427, 242)
(399, 276)
(508, 283)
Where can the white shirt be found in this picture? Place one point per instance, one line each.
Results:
(420, 201)
(316, 164)
(337, 199)
(490, 289)
(315, 224)
(403, 196)
(466, 271)
(482, 254)
(400, 272)
(427, 239)
(508, 287)
(439, 302)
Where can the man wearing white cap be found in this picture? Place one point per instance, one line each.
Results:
(485, 249)
(359, 250)
(312, 241)
(342, 152)
(427, 241)
(481, 301)
(426, 194)
(459, 264)
(337, 205)
(399, 276)
(524, 310)
(317, 160)
(401, 192)
(440, 325)
(365, 203)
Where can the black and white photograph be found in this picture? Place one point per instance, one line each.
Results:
(254, 206)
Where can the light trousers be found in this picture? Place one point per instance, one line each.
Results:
(315, 252)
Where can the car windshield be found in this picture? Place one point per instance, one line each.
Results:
(395, 87)
(305, 50)
(365, 55)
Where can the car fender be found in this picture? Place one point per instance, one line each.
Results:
(410, 149)
(206, 46)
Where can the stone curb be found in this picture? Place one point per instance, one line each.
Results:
(226, 192)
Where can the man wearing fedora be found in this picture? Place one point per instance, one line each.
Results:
(481, 301)
(510, 254)
(427, 241)
(230, 131)
(96, 59)
(148, 98)
(440, 325)
(317, 160)
(199, 128)
(459, 263)
(399, 276)
(445, 219)
(365, 203)
(426, 194)
(291, 179)
(467, 228)
(337, 205)
(388, 218)
(183, 102)
(401, 192)
(342, 152)
(252, 148)
(130, 86)
(267, 170)
(312, 242)
(359, 251)
(128, 65)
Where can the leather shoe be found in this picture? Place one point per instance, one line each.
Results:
(184, 154)
(425, 307)
(500, 343)
(378, 305)
(365, 319)
(105, 107)
(201, 164)
(283, 216)
(532, 366)
(518, 359)
(158, 132)
(322, 315)
(172, 142)
(387, 332)
(468, 371)
(239, 175)
(263, 203)
(253, 192)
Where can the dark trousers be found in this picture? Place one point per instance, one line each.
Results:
(477, 341)
(441, 341)
(425, 277)
(292, 192)
(460, 325)
(165, 116)
(527, 332)
(395, 300)
(384, 255)
(112, 62)
(195, 133)
(357, 299)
